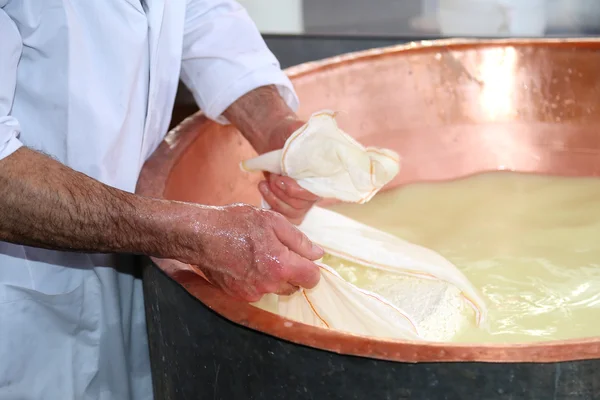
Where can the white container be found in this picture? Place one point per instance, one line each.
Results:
(492, 17)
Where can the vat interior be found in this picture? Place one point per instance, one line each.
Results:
(208, 171)
(449, 112)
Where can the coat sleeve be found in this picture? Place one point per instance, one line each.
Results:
(10, 53)
(225, 57)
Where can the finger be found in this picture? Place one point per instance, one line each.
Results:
(302, 272)
(280, 206)
(291, 187)
(296, 241)
(278, 285)
(298, 204)
(287, 289)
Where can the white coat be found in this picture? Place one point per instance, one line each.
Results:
(92, 83)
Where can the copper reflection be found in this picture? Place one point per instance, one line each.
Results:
(497, 70)
(450, 109)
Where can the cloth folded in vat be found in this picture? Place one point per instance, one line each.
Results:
(417, 294)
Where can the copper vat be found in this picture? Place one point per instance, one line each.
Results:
(450, 108)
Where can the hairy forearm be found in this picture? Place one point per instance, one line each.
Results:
(46, 204)
(264, 118)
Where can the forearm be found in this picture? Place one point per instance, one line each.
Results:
(266, 121)
(264, 118)
(46, 204)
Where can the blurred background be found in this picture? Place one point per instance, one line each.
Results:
(426, 17)
(298, 31)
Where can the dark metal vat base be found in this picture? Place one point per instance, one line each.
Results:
(197, 354)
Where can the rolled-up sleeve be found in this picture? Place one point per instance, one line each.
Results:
(10, 53)
(225, 57)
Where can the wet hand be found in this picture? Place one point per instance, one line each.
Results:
(249, 252)
(266, 121)
(283, 194)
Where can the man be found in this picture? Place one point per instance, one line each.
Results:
(86, 93)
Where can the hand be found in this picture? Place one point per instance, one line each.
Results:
(249, 252)
(264, 118)
(283, 194)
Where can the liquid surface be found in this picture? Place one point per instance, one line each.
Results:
(530, 244)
